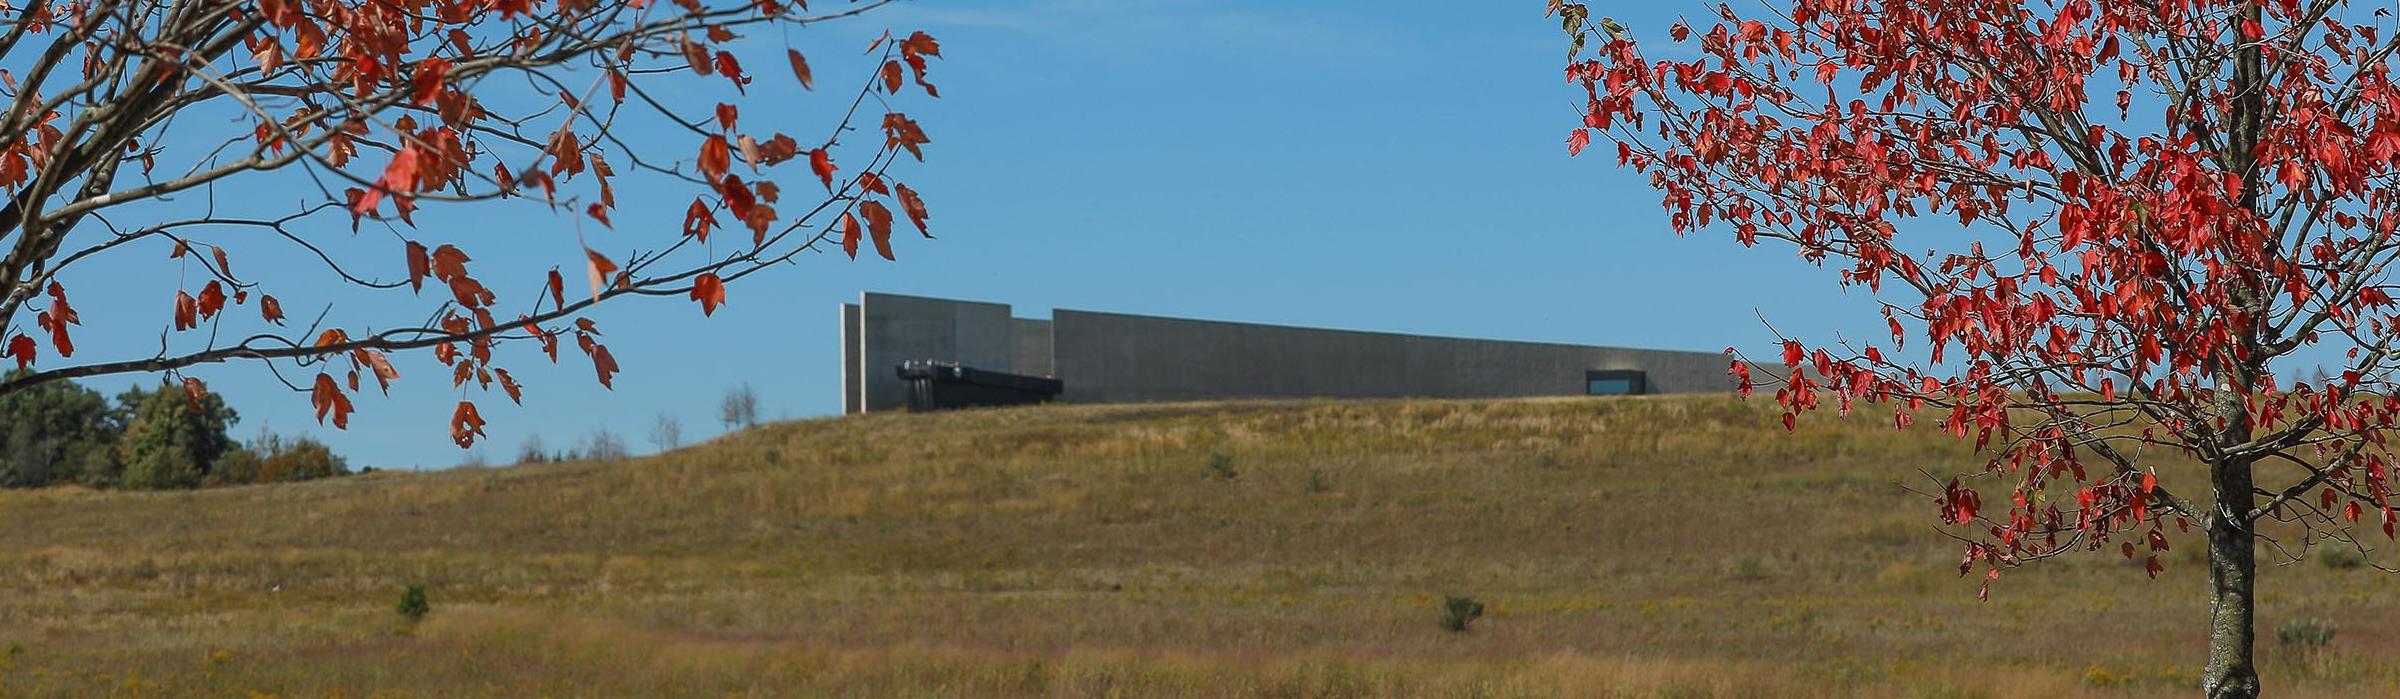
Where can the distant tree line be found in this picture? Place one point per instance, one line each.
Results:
(59, 433)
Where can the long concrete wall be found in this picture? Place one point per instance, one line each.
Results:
(1030, 346)
(894, 328)
(1112, 358)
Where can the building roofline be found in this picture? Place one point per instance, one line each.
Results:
(1055, 311)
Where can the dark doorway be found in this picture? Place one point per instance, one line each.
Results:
(1615, 382)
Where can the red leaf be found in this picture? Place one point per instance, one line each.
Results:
(212, 300)
(891, 77)
(733, 71)
(328, 399)
(380, 365)
(1576, 140)
(821, 162)
(193, 392)
(710, 292)
(716, 156)
(600, 270)
(21, 348)
(921, 42)
(879, 226)
(698, 219)
(914, 207)
(850, 235)
(427, 82)
(399, 178)
(899, 131)
(449, 262)
(465, 425)
(558, 290)
(187, 311)
(800, 70)
(604, 364)
(509, 384)
(418, 265)
(695, 56)
(57, 319)
(727, 114)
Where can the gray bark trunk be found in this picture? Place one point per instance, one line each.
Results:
(2232, 575)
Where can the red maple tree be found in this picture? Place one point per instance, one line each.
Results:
(2100, 226)
(366, 111)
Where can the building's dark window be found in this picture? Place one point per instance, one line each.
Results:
(1615, 382)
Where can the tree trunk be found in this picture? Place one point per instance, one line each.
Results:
(2232, 575)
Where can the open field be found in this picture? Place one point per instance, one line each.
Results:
(1650, 547)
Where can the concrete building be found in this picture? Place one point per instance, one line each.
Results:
(1118, 358)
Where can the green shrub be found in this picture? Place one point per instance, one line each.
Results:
(2336, 555)
(1317, 482)
(1457, 612)
(299, 460)
(1220, 466)
(2304, 635)
(412, 604)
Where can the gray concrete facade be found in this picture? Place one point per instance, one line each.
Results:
(1030, 347)
(1120, 358)
(893, 328)
(1117, 358)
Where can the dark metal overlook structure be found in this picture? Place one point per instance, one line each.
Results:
(936, 385)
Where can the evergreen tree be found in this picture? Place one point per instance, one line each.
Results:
(169, 444)
(54, 433)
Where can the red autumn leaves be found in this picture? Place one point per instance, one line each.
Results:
(2078, 278)
(394, 107)
(709, 291)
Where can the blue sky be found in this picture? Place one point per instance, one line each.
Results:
(1393, 167)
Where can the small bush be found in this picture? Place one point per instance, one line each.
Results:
(1220, 466)
(2340, 557)
(601, 445)
(532, 452)
(1317, 482)
(1746, 569)
(1457, 612)
(412, 604)
(2101, 676)
(2304, 635)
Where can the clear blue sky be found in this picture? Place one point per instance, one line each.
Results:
(1396, 166)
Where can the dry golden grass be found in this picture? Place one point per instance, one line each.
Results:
(1652, 547)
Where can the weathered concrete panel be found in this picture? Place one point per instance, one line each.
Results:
(1029, 341)
(893, 328)
(1108, 357)
(853, 392)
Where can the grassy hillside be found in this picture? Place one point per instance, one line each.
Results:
(1651, 547)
